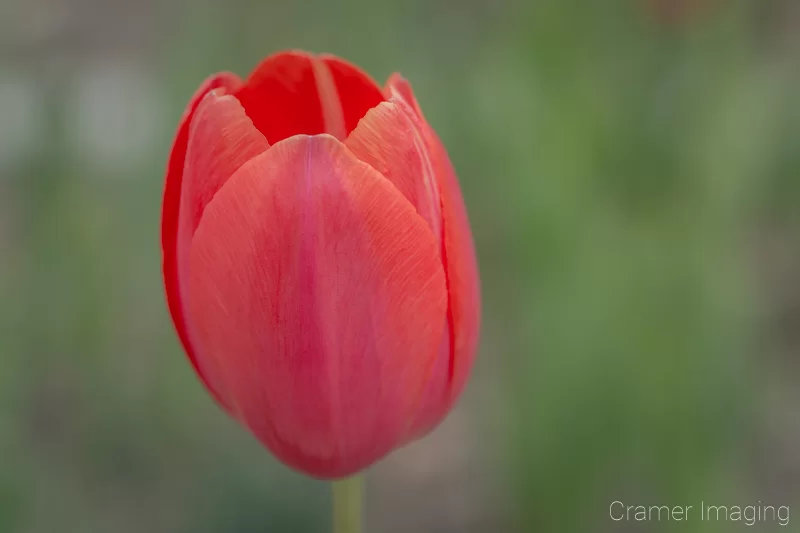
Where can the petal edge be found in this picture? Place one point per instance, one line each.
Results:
(170, 212)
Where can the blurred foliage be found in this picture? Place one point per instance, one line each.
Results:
(619, 166)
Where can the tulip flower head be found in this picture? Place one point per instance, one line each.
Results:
(318, 262)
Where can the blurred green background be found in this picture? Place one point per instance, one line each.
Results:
(632, 173)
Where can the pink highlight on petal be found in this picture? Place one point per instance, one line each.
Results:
(332, 113)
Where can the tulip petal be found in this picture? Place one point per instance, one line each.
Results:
(170, 215)
(281, 97)
(458, 347)
(358, 92)
(320, 292)
(294, 93)
(221, 139)
(399, 87)
(391, 143)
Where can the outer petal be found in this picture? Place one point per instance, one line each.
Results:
(171, 208)
(221, 140)
(320, 293)
(389, 141)
(458, 254)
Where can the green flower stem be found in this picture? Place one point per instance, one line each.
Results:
(348, 499)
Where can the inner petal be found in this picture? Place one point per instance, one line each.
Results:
(281, 99)
(358, 92)
(295, 93)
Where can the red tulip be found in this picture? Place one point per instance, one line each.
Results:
(318, 261)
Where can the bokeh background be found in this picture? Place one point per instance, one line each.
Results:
(632, 172)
